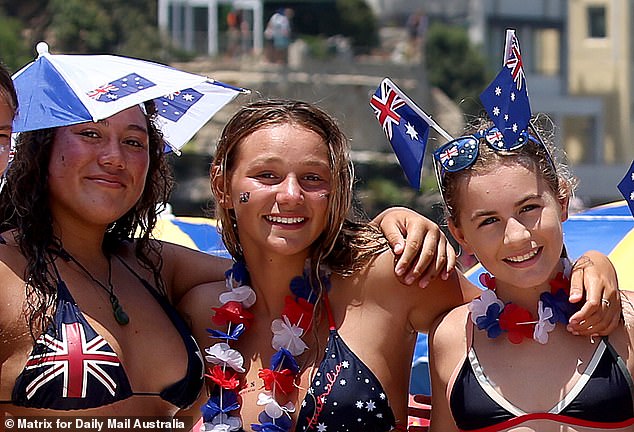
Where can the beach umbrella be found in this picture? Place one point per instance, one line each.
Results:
(193, 232)
(608, 228)
(61, 90)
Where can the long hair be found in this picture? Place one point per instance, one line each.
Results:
(344, 245)
(24, 207)
(7, 90)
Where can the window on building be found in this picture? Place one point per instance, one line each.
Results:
(597, 26)
(547, 51)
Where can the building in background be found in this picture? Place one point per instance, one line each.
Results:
(578, 58)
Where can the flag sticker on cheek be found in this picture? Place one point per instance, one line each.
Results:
(244, 197)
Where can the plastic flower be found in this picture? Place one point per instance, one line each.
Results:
(223, 423)
(544, 325)
(232, 312)
(299, 312)
(238, 272)
(287, 335)
(283, 380)
(480, 306)
(222, 353)
(300, 286)
(212, 408)
(226, 379)
(284, 422)
(268, 427)
(236, 332)
(283, 359)
(272, 408)
(490, 321)
(487, 280)
(561, 307)
(242, 294)
(267, 424)
(560, 282)
(511, 320)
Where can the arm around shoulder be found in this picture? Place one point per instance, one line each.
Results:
(185, 268)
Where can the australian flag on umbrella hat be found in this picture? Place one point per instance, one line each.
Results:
(61, 90)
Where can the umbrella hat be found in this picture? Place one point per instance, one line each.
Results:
(61, 90)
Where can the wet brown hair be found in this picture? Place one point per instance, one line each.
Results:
(344, 245)
(24, 207)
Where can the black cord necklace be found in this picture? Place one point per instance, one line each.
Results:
(117, 310)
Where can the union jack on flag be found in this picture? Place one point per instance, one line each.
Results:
(120, 88)
(74, 358)
(506, 98)
(405, 128)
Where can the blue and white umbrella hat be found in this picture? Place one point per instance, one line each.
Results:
(61, 90)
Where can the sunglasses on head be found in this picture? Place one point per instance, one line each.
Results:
(462, 152)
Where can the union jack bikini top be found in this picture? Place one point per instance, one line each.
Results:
(72, 367)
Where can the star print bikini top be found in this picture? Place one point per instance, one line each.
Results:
(344, 395)
(72, 367)
(602, 398)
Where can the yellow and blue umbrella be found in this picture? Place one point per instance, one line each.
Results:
(193, 232)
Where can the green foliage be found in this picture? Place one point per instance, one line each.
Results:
(15, 53)
(82, 26)
(454, 65)
(358, 23)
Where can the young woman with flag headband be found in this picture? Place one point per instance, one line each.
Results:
(88, 325)
(506, 205)
(311, 330)
(506, 196)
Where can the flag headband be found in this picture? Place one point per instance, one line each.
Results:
(461, 153)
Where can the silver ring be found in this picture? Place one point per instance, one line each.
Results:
(606, 302)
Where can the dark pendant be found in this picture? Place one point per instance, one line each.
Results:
(119, 314)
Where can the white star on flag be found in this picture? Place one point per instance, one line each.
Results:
(411, 131)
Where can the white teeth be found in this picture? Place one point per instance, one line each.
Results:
(285, 220)
(521, 258)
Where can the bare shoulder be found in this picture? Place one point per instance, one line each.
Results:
(450, 329)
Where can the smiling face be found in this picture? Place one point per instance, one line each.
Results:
(511, 220)
(285, 171)
(97, 170)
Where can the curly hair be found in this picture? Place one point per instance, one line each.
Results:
(540, 158)
(345, 245)
(24, 207)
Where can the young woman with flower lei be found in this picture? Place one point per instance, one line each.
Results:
(312, 329)
(505, 361)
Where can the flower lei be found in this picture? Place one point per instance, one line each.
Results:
(491, 314)
(287, 331)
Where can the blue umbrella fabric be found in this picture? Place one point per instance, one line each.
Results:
(193, 232)
(61, 90)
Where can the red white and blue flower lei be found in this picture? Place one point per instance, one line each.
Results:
(295, 321)
(496, 317)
